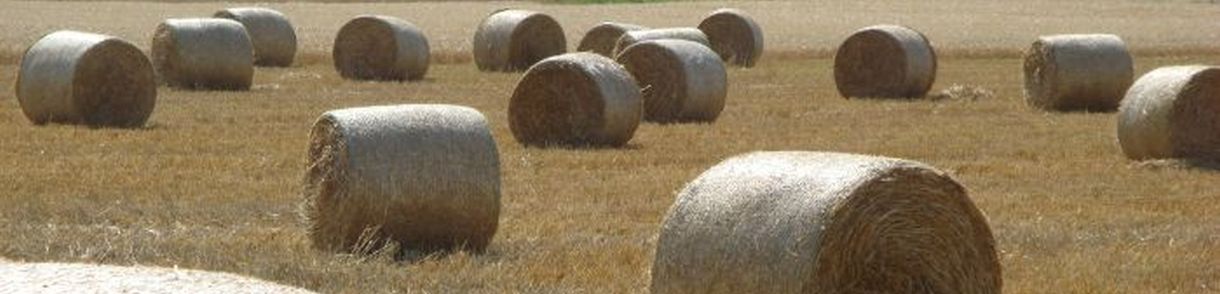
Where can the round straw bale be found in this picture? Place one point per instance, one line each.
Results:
(632, 37)
(682, 80)
(885, 61)
(424, 176)
(513, 40)
(1172, 112)
(274, 39)
(94, 278)
(734, 35)
(1077, 72)
(83, 78)
(577, 99)
(601, 38)
(203, 53)
(813, 222)
(374, 47)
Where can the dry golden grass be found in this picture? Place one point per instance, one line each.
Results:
(213, 183)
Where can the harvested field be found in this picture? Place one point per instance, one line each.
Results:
(214, 181)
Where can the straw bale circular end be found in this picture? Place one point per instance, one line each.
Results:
(813, 222)
(1077, 72)
(514, 39)
(83, 78)
(374, 47)
(203, 53)
(885, 61)
(1172, 112)
(576, 99)
(734, 35)
(632, 37)
(602, 38)
(274, 39)
(683, 81)
(424, 176)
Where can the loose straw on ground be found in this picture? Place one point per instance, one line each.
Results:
(93, 278)
(424, 177)
(814, 222)
(885, 61)
(83, 78)
(375, 47)
(577, 99)
(514, 39)
(1077, 72)
(1172, 112)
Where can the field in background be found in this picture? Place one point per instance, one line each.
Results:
(213, 182)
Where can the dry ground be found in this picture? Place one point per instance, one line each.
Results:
(213, 182)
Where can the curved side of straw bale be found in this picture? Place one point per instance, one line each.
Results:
(576, 99)
(424, 176)
(76, 278)
(1172, 112)
(374, 47)
(83, 78)
(734, 35)
(1075, 72)
(632, 37)
(203, 53)
(513, 40)
(813, 222)
(274, 39)
(885, 61)
(683, 81)
(602, 38)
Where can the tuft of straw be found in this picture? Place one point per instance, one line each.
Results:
(514, 39)
(683, 81)
(576, 99)
(83, 78)
(1172, 112)
(885, 61)
(815, 222)
(963, 93)
(632, 37)
(203, 53)
(1077, 72)
(274, 39)
(734, 35)
(375, 47)
(423, 177)
(602, 37)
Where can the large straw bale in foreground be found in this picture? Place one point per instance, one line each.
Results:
(683, 81)
(734, 35)
(577, 99)
(374, 47)
(632, 37)
(274, 39)
(96, 80)
(203, 53)
(514, 39)
(1172, 112)
(91, 278)
(1077, 72)
(812, 222)
(424, 176)
(602, 38)
(885, 61)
